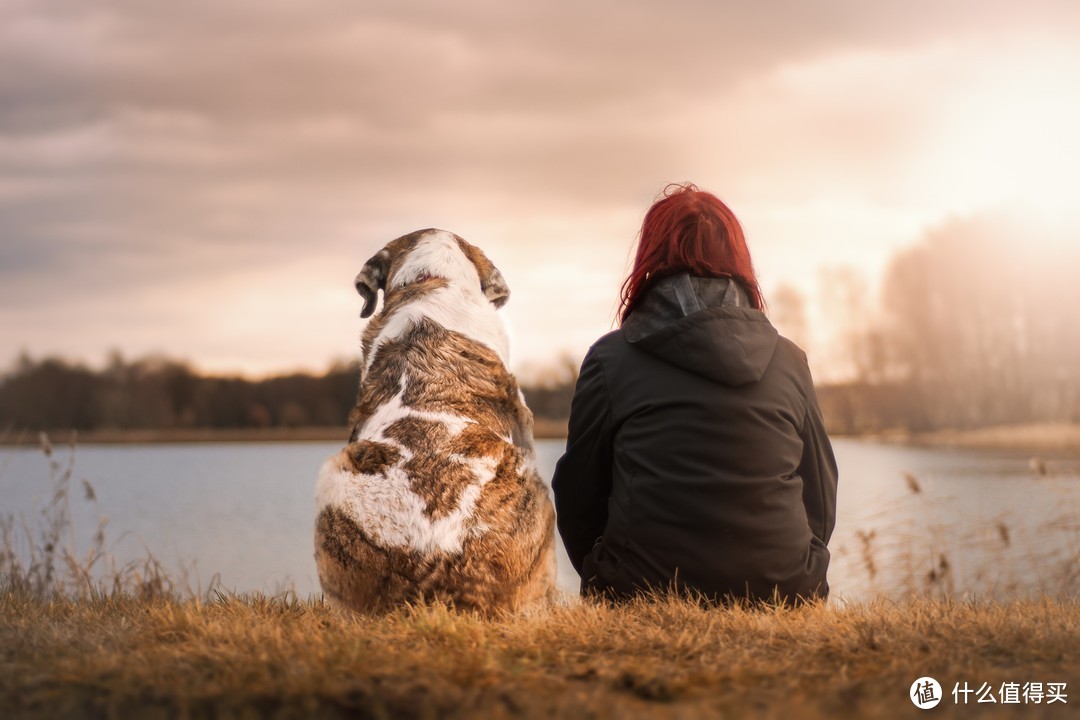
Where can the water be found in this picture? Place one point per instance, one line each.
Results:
(980, 522)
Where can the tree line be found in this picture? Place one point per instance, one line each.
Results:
(163, 393)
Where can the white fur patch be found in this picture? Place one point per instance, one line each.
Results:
(460, 307)
(437, 254)
(385, 506)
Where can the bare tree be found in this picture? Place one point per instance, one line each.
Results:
(787, 311)
(979, 323)
(857, 346)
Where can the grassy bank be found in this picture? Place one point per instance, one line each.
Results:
(123, 657)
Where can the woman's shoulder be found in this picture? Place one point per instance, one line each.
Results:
(607, 354)
(788, 349)
(610, 340)
(606, 345)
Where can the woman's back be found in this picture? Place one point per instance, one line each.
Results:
(712, 445)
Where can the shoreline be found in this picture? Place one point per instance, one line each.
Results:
(1056, 438)
(1060, 438)
(543, 430)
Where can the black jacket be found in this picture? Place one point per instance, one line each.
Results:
(696, 454)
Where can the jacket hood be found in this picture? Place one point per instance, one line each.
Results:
(704, 325)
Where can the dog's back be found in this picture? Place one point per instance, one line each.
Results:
(437, 496)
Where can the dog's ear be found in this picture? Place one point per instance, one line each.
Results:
(372, 279)
(492, 283)
(495, 288)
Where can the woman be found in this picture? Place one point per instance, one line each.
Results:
(696, 457)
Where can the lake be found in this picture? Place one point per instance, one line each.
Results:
(908, 519)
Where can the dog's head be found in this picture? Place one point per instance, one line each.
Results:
(427, 254)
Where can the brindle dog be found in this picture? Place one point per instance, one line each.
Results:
(436, 498)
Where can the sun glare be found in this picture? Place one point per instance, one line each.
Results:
(1011, 137)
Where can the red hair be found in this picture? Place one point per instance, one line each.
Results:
(689, 230)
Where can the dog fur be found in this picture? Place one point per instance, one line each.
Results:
(436, 497)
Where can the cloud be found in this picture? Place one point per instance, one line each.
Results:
(249, 151)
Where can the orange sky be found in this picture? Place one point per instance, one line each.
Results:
(204, 179)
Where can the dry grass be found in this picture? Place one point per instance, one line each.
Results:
(40, 558)
(120, 656)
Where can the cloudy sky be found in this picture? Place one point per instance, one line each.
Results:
(204, 179)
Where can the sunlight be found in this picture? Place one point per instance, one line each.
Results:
(1010, 138)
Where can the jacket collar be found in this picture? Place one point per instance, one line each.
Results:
(678, 296)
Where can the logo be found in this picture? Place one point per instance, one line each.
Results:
(925, 693)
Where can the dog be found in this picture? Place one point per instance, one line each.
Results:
(436, 498)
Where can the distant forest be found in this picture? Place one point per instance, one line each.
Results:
(977, 327)
(160, 393)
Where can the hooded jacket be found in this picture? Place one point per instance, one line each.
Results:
(696, 455)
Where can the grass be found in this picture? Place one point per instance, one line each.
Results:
(40, 559)
(80, 637)
(130, 657)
